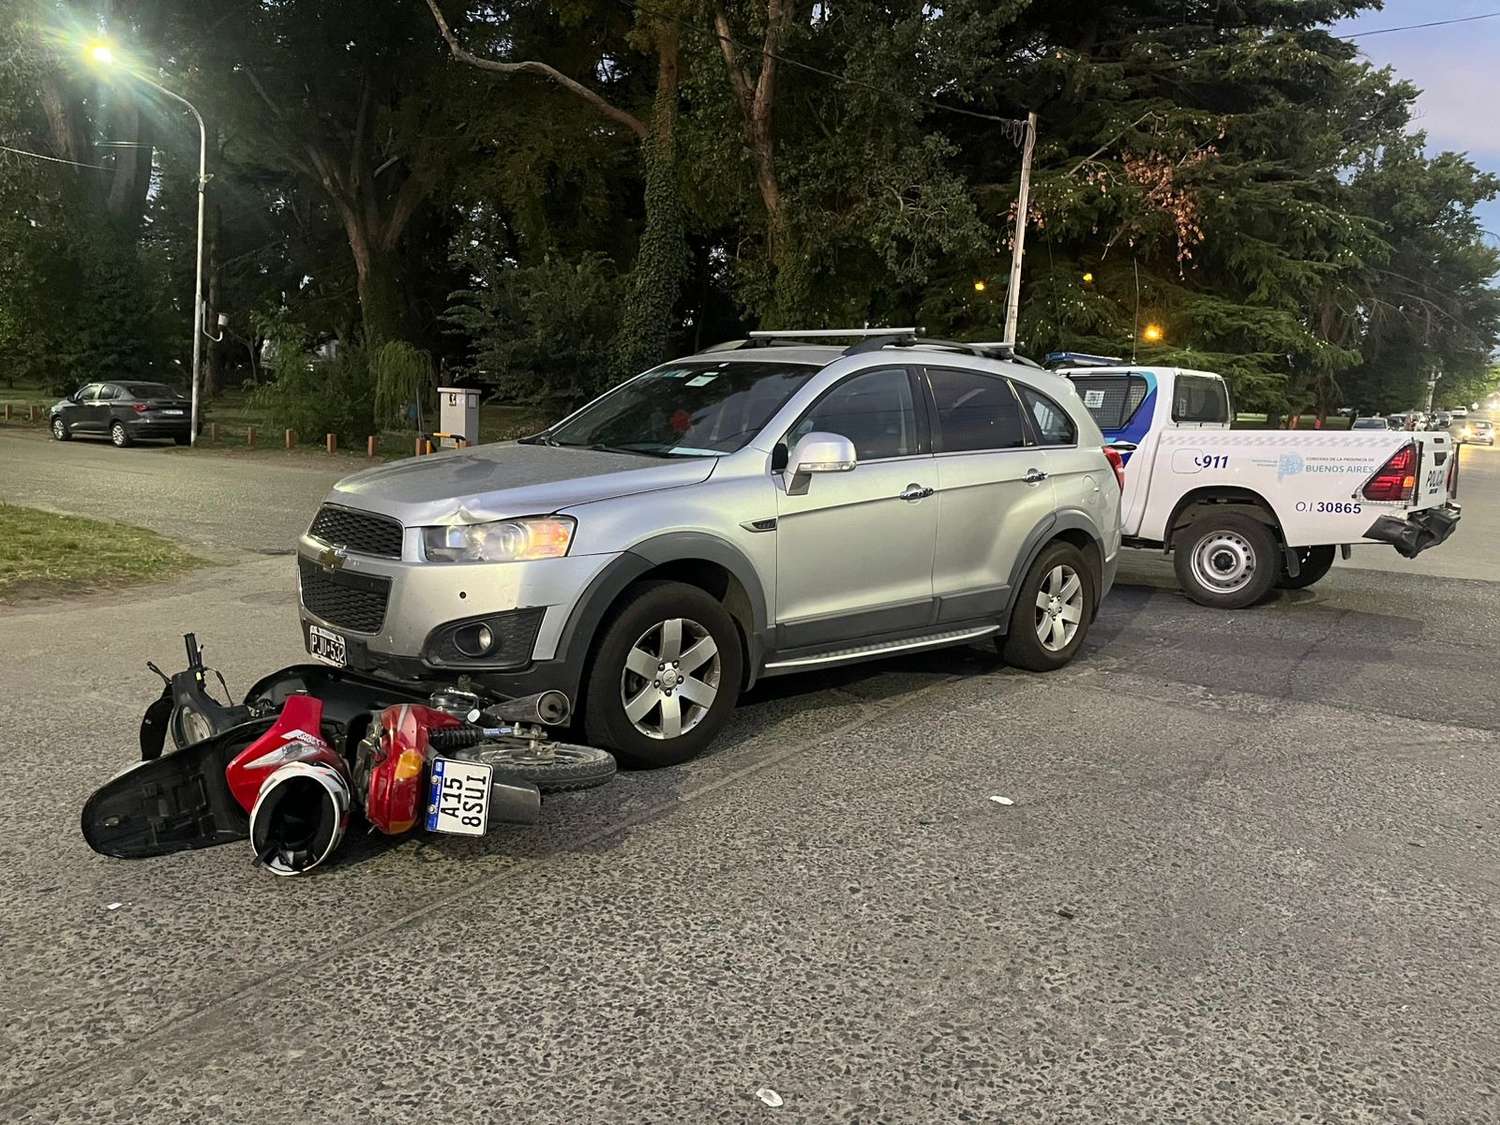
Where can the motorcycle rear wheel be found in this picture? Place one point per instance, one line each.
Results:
(561, 767)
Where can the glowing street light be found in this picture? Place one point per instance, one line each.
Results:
(102, 54)
(1088, 279)
(979, 285)
(1152, 333)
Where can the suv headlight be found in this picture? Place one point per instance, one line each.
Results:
(539, 537)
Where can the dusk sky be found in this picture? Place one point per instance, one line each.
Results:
(1458, 70)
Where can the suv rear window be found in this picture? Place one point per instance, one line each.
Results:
(1111, 400)
(976, 411)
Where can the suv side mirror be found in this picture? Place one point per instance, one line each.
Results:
(822, 453)
(817, 453)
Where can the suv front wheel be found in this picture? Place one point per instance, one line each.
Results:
(666, 675)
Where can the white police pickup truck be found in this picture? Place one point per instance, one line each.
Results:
(1243, 510)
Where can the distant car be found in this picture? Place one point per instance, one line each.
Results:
(1370, 424)
(1474, 431)
(1441, 420)
(126, 412)
(1459, 412)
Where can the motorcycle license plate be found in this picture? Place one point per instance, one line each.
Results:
(458, 799)
(327, 646)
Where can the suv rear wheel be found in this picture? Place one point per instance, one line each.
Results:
(1052, 611)
(666, 675)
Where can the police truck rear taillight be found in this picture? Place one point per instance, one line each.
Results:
(1117, 463)
(1396, 479)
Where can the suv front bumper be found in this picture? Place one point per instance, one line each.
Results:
(394, 614)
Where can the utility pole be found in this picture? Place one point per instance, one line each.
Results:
(1018, 242)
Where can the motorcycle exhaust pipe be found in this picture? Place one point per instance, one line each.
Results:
(549, 707)
(299, 818)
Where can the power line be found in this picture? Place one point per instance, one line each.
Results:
(1017, 126)
(51, 159)
(1418, 26)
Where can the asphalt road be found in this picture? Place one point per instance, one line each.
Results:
(1249, 875)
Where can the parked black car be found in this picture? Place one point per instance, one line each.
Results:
(126, 411)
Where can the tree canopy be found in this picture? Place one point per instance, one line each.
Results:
(546, 196)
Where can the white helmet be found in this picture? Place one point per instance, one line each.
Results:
(299, 817)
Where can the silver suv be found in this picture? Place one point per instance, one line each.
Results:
(762, 508)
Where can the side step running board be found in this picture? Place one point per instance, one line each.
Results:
(882, 648)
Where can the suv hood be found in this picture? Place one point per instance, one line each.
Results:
(504, 480)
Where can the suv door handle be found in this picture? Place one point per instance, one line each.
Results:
(915, 492)
(1034, 476)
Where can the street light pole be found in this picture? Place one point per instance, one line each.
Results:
(1018, 243)
(198, 329)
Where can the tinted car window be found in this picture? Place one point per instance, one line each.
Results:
(874, 410)
(108, 392)
(149, 390)
(975, 411)
(1111, 400)
(88, 393)
(1200, 400)
(1051, 422)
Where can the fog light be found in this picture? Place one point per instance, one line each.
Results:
(474, 640)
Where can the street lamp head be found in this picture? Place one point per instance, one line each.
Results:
(101, 53)
(979, 286)
(1152, 333)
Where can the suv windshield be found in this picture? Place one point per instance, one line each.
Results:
(697, 409)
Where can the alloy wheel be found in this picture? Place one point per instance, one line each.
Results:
(671, 678)
(1059, 608)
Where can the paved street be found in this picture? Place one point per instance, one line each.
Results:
(1249, 874)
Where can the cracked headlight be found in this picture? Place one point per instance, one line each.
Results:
(537, 537)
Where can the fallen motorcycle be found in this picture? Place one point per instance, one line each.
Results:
(312, 748)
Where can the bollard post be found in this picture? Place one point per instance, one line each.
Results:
(250, 436)
(370, 446)
(333, 442)
(419, 445)
(213, 432)
(31, 414)
(291, 438)
(7, 412)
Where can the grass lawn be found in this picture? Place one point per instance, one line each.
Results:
(42, 553)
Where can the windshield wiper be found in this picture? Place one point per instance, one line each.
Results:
(602, 447)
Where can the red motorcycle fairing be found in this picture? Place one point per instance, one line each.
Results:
(394, 758)
(296, 735)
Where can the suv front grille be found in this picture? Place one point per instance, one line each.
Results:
(350, 601)
(364, 533)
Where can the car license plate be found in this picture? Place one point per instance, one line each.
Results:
(327, 646)
(458, 801)
(177, 412)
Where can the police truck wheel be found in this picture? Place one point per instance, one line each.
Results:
(1315, 563)
(1226, 561)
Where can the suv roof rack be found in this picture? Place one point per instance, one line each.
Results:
(766, 338)
(983, 350)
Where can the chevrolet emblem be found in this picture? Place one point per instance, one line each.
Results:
(332, 558)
